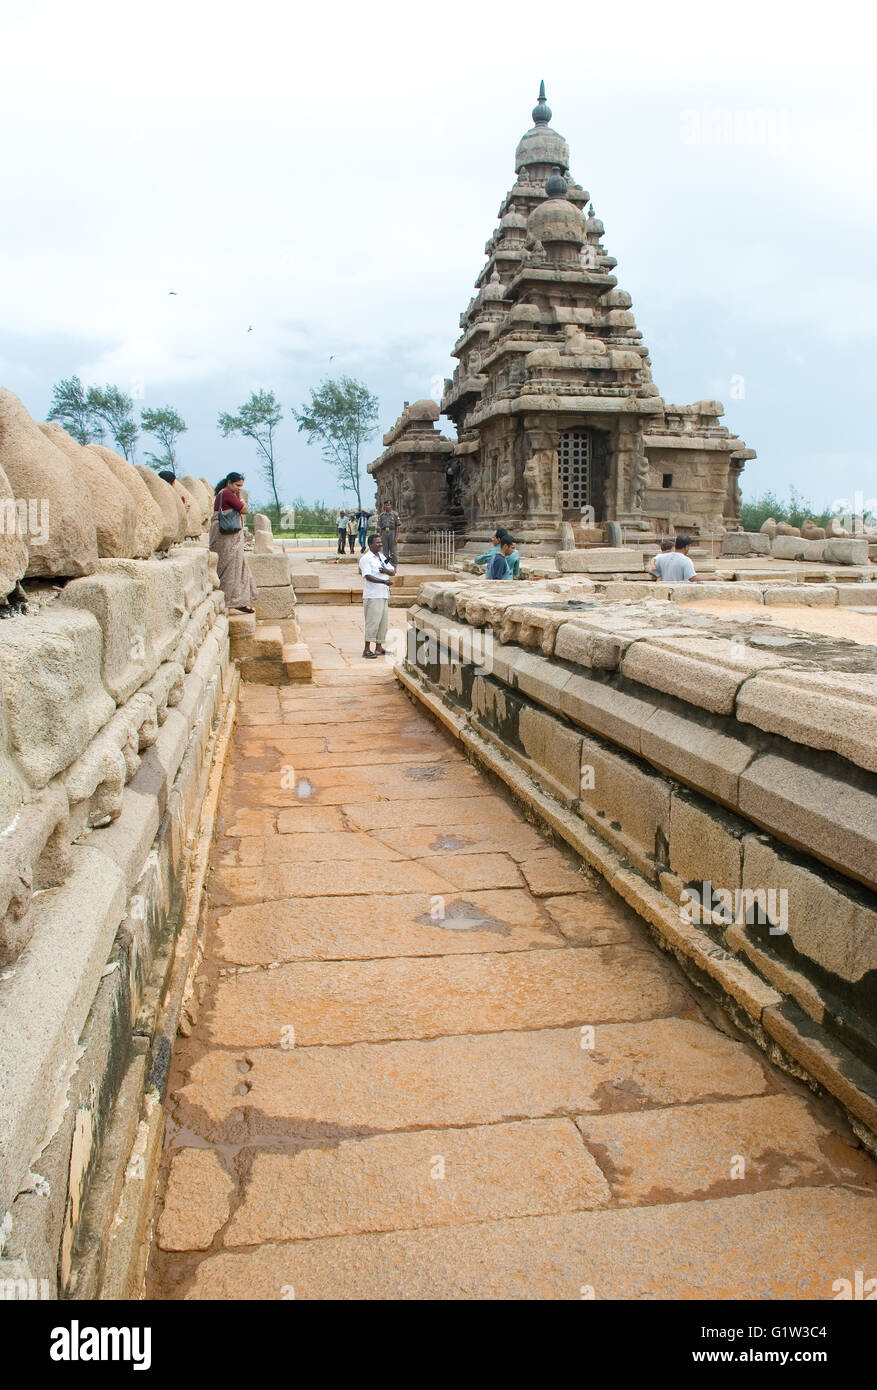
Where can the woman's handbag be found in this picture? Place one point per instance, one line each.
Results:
(229, 520)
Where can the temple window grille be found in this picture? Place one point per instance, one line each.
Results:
(574, 455)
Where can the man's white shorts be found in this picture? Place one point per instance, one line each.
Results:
(377, 617)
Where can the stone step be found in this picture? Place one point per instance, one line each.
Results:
(264, 643)
(334, 595)
(297, 661)
(241, 628)
(261, 658)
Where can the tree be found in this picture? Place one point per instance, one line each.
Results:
(342, 415)
(257, 419)
(116, 411)
(71, 408)
(167, 425)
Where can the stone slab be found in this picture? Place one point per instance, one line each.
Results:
(796, 548)
(269, 571)
(857, 596)
(45, 1002)
(843, 551)
(431, 1178)
(833, 710)
(602, 559)
(444, 812)
(696, 751)
(197, 1200)
(277, 881)
(276, 602)
(518, 840)
(603, 709)
(308, 1094)
(809, 595)
(705, 843)
(347, 1001)
(590, 919)
(834, 928)
(745, 543)
(825, 1059)
(705, 1251)
(320, 847)
(552, 747)
(717, 589)
(705, 1151)
(548, 871)
(816, 812)
(703, 671)
(474, 872)
(334, 928)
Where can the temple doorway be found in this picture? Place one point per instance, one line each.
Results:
(574, 464)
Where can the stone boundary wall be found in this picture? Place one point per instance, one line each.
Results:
(111, 696)
(832, 550)
(781, 593)
(675, 752)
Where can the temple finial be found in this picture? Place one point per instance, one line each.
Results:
(541, 111)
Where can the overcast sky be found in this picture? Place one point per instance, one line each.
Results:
(329, 175)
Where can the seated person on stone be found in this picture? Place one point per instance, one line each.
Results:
(499, 567)
(514, 560)
(675, 567)
(666, 544)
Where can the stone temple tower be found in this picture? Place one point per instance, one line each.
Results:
(558, 419)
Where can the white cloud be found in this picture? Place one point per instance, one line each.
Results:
(330, 175)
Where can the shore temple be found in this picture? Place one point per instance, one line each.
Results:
(557, 417)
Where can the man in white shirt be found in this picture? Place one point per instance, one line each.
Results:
(675, 567)
(377, 573)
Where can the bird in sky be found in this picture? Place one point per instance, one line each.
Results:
(332, 357)
(171, 291)
(250, 329)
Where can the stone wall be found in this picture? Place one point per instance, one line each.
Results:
(831, 550)
(721, 775)
(112, 685)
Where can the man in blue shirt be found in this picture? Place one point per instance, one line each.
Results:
(514, 559)
(499, 567)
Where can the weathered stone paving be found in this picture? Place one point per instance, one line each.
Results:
(436, 1060)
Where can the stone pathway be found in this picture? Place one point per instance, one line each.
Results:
(435, 1060)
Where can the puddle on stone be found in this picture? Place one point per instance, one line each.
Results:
(431, 773)
(773, 640)
(450, 842)
(465, 916)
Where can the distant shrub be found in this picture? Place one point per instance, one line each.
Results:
(796, 511)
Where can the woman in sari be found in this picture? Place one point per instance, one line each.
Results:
(232, 569)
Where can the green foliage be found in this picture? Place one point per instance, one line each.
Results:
(311, 518)
(796, 511)
(341, 415)
(257, 419)
(71, 408)
(167, 425)
(111, 407)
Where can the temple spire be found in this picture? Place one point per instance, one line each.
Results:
(541, 111)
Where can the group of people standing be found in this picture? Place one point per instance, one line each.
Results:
(357, 528)
(352, 527)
